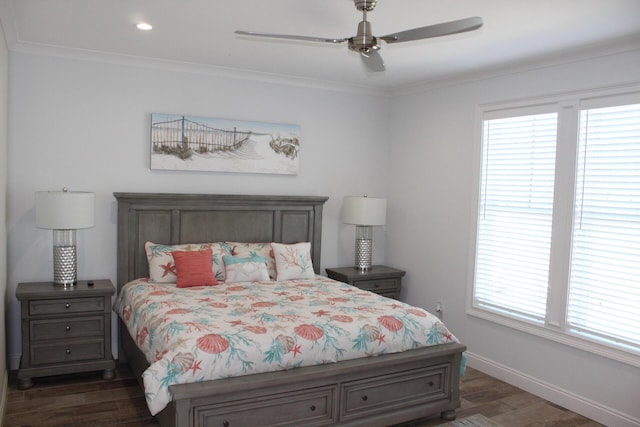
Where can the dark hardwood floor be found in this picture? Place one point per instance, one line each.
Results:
(89, 401)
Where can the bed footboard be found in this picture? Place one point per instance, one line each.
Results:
(377, 391)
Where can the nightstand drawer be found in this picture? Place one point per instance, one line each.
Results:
(60, 306)
(71, 351)
(73, 327)
(381, 285)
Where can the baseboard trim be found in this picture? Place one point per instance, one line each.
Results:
(576, 403)
(3, 397)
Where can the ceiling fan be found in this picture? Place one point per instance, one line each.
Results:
(368, 45)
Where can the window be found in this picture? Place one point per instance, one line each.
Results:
(604, 284)
(514, 220)
(557, 249)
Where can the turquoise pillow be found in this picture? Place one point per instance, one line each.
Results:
(228, 259)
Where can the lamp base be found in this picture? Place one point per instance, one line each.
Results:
(64, 265)
(364, 249)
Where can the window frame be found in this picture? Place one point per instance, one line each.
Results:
(568, 106)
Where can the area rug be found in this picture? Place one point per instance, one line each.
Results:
(472, 421)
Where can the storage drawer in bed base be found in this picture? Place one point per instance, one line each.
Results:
(370, 396)
(314, 407)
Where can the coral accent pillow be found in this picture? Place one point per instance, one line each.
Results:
(162, 267)
(250, 250)
(193, 268)
(240, 269)
(293, 261)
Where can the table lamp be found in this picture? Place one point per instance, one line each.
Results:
(64, 212)
(364, 212)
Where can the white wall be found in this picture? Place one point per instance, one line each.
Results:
(85, 125)
(4, 99)
(434, 136)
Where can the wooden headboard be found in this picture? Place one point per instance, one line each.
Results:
(201, 218)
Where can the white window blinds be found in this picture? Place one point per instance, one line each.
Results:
(515, 214)
(557, 251)
(604, 286)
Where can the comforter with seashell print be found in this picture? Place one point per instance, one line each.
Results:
(202, 333)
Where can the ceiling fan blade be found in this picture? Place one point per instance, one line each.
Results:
(290, 37)
(436, 30)
(373, 61)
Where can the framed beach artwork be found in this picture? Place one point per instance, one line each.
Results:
(189, 143)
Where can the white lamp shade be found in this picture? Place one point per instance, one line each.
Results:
(65, 210)
(364, 210)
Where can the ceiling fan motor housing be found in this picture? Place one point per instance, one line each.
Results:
(363, 41)
(365, 5)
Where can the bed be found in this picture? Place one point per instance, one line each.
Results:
(372, 391)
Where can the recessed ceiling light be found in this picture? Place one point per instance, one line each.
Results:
(144, 26)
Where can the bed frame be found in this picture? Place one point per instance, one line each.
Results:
(375, 391)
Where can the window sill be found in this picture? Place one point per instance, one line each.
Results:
(620, 355)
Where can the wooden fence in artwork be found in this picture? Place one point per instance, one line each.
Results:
(183, 133)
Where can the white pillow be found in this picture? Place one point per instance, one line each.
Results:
(293, 261)
(239, 269)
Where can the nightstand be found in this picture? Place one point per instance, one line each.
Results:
(380, 279)
(65, 330)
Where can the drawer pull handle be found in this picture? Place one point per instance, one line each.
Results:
(313, 408)
(226, 423)
(67, 305)
(68, 351)
(67, 328)
(365, 398)
(430, 383)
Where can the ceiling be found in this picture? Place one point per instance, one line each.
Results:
(201, 32)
